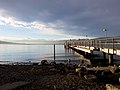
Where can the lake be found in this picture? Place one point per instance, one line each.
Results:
(14, 53)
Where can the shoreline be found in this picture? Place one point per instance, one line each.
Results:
(52, 77)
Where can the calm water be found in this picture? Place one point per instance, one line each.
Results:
(36, 53)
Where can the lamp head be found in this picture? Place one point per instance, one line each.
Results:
(104, 29)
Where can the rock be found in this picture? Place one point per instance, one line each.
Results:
(44, 62)
(112, 87)
(90, 77)
(82, 71)
(53, 63)
(77, 70)
(35, 63)
(106, 73)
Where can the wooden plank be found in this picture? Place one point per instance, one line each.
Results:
(106, 50)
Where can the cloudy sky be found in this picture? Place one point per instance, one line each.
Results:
(58, 19)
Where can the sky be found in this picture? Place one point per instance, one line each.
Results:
(44, 20)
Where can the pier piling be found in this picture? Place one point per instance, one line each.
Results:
(54, 52)
(110, 59)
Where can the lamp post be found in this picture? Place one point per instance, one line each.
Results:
(86, 41)
(105, 30)
(104, 54)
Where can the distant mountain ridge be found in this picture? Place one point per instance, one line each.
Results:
(5, 42)
(28, 43)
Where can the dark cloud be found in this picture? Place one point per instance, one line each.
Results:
(80, 17)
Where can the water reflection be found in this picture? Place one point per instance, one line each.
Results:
(36, 53)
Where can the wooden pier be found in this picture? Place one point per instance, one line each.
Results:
(87, 47)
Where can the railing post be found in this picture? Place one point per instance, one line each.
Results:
(94, 43)
(89, 44)
(113, 45)
(98, 44)
(101, 44)
(85, 43)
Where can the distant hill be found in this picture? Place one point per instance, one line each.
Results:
(32, 43)
(4, 42)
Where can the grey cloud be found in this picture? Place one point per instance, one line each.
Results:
(89, 16)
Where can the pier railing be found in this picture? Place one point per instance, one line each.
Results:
(108, 46)
(109, 42)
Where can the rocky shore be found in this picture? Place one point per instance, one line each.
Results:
(48, 77)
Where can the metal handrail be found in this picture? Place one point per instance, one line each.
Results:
(108, 42)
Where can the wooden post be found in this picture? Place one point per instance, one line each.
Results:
(54, 52)
(104, 55)
(89, 45)
(92, 57)
(94, 43)
(104, 58)
(110, 59)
